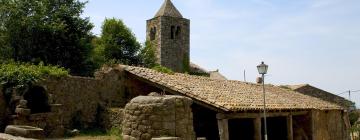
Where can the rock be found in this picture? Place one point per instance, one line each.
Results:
(22, 104)
(154, 94)
(25, 131)
(74, 132)
(23, 111)
(4, 136)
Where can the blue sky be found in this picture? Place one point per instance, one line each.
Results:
(303, 41)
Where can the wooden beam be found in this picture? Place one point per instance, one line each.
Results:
(256, 115)
(257, 128)
(290, 127)
(223, 129)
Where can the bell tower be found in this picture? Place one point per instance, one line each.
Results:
(169, 34)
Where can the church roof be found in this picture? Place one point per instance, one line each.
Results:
(168, 9)
(230, 95)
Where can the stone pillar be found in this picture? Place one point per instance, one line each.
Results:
(223, 129)
(257, 128)
(290, 127)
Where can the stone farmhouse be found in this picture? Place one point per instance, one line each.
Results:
(179, 105)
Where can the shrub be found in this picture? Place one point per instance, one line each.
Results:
(20, 76)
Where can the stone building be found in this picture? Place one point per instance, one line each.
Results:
(232, 110)
(169, 33)
(321, 94)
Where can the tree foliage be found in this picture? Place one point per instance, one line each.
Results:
(353, 117)
(50, 31)
(117, 42)
(147, 53)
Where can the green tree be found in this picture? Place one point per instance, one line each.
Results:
(147, 53)
(50, 31)
(97, 54)
(118, 43)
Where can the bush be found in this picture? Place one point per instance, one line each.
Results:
(353, 117)
(21, 76)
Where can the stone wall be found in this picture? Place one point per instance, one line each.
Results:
(147, 117)
(80, 98)
(84, 99)
(173, 53)
(330, 125)
(113, 118)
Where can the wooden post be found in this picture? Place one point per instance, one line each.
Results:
(257, 128)
(290, 127)
(223, 129)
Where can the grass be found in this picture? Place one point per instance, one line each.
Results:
(96, 134)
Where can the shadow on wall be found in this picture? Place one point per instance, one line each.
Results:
(38, 100)
(2, 110)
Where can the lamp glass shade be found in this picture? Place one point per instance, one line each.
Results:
(262, 68)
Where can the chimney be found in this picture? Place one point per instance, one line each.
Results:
(259, 80)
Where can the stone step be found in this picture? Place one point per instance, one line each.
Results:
(25, 131)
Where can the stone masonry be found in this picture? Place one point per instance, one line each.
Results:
(169, 33)
(149, 117)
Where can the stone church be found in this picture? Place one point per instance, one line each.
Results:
(169, 32)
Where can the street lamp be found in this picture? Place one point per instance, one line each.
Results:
(262, 68)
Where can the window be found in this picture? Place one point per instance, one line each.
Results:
(172, 32)
(152, 33)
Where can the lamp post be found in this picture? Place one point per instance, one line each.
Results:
(262, 68)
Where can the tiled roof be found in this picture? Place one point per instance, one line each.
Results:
(229, 95)
(217, 75)
(168, 9)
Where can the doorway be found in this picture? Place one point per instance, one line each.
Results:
(37, 100)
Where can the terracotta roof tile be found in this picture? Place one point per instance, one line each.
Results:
(230, 95)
